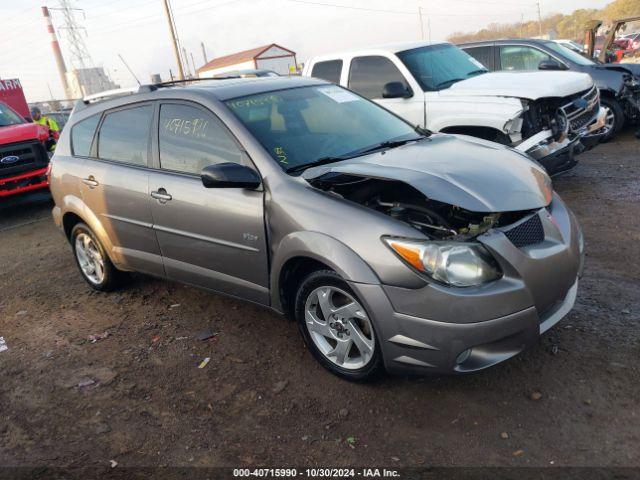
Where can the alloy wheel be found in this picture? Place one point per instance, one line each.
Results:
(89, 258)
(609, 120)
(339, 327)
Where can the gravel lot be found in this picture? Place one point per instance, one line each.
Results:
(137, 397)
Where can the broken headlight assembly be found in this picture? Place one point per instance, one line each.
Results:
(457, 264)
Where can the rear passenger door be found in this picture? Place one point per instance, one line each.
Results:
(115, 183)
(369, 74)
(210, 237)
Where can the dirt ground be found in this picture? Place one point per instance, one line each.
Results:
(138, 397)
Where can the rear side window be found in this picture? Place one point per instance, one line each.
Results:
(369, 75)
(82, 136)
(521, 57)
(192, 138)
(329, 70)
(124, 135)
(482, 54)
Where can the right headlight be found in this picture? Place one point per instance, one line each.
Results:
(453, 263)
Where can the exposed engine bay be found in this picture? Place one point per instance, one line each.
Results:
(398, 200)
(631, 96)
(544, 114)
(562, 116)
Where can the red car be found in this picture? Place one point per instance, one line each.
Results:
(23, 156)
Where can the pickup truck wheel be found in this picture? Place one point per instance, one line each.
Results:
(336, 327)
(614, 120)
(92, 261)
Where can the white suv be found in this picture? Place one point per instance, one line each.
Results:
(442, 88)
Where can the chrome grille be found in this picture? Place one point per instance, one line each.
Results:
(580, 116)
(529, 232)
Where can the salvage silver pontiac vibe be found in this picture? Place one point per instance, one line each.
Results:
(391, 247)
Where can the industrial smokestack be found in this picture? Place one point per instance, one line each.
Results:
(57, 53)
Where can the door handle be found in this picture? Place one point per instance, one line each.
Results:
(90, 181)
(161, 195)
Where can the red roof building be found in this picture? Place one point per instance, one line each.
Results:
(268, 57)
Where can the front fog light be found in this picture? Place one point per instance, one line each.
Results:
(452, 263)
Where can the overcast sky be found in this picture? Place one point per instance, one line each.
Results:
(137, 30)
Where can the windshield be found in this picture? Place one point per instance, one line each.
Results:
(439, 66)
(301, 126)
(568, 54)
(8, 116)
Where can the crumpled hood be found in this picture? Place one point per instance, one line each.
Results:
(470, 173)
(528, 85)
(22, 132)
(632, 68)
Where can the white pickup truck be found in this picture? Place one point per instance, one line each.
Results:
(438, 86)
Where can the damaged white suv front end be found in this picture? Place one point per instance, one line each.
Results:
(550, 116)
(551, 122)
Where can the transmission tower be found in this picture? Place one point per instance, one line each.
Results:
(74, 34)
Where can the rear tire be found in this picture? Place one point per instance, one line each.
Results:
(92, 261)
(615, 118)
(336, 327)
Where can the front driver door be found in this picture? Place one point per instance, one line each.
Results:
(213, 238)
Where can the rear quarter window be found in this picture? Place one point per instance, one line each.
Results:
(482, 54)
(82, 135)
(329, 70)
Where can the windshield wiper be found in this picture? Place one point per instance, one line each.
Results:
(477, 72)
(382, 145)
(386, 144)
(316, 163)
(449, 82)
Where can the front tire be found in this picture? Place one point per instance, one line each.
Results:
(614, 120)
(336, 327)
(92, 260)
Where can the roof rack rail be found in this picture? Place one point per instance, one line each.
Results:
(118, 92)
(107, 94)
(170, 83)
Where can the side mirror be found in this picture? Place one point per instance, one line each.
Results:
(396, 90)
(551, 65)
(229, 175)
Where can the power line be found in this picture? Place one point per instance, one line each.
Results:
(380, 10)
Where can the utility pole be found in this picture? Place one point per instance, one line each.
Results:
(539, 19)
(204, 52)
(174, 40)
(186, 61)
(421, 25)
(521, 24)
(429, 27)
(193, 64)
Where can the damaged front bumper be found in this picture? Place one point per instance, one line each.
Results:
(437, 329)
(555, 156)
(558, 156)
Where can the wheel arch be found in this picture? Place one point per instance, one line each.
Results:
(75, 211)
(300, 253)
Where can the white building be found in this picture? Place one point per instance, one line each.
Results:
(268, 57)
(87, 81)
